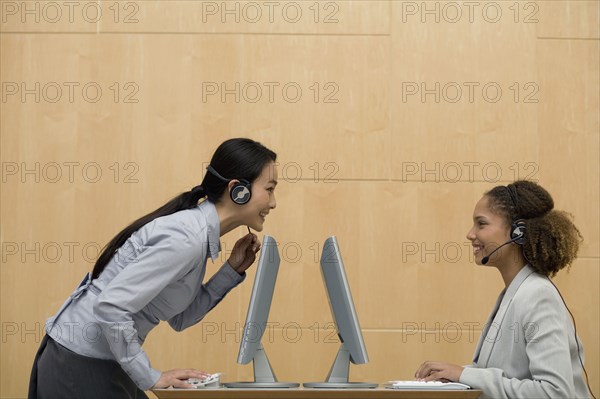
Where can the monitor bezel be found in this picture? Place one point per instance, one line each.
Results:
(341, 303)
(260, 299)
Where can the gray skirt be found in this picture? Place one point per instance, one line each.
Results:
(59, 373)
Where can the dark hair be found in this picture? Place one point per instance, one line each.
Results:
(238, 158)
(551, 239)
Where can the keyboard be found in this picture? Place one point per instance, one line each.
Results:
(212, 381)
(431, 385)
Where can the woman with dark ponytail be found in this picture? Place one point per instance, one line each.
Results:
(152, 271)
(529, 347)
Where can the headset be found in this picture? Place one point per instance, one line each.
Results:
(241, 191)
(517, 228)
(517, 235)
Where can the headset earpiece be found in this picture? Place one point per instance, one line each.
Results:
(517, 231)
(241, 191)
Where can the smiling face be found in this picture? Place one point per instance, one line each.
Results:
(489, 231)
(254, 213)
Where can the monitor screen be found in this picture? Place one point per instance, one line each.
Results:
(341, 303)
(251, 348)
(352, 348)
(260, 300)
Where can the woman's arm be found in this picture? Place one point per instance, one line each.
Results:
(230, 275)
(208, 297)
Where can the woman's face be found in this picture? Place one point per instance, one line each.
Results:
(489, 231)
(255, 212)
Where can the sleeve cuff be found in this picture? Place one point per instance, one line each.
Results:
(469, 376)
(154, 377)
(225, 279)
(140, 371)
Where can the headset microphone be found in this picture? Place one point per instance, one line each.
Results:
(487, 258)
(517, 235)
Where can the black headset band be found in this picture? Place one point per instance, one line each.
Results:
(512, 193)
(218, 175)
(240, 193)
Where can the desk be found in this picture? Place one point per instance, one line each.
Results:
(301, 393)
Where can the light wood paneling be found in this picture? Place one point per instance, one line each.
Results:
(569, 141)
(461, 96)
(567, 19)
(52, 16)
(286, 17)
(206, 17)
(342, 103)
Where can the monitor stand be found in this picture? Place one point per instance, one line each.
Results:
(264, 377)
(338, 375)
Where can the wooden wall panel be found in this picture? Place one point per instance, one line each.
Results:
(462, 97)
(342, 105)
(365, 17)
(51, 16)
(566, 19)
(569, 124)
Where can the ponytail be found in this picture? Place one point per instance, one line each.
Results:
(552, 242)
(183, 201)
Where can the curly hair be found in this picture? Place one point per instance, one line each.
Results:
(551, 239)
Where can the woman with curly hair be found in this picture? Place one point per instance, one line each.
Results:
(529, 347)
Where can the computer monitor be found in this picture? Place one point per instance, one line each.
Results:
(352, 347)
(251, 348)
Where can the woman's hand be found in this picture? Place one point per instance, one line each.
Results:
(177, 377)
(244, 253)
(438, 371)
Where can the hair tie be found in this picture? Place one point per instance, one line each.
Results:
(197, 189)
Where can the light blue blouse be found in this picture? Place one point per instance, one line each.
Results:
(156, 275)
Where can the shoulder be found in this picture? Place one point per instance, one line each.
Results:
(181, 229)
(537, 294)
(537, 286)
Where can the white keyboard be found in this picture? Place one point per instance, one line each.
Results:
(417, 385)
(212, 381)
